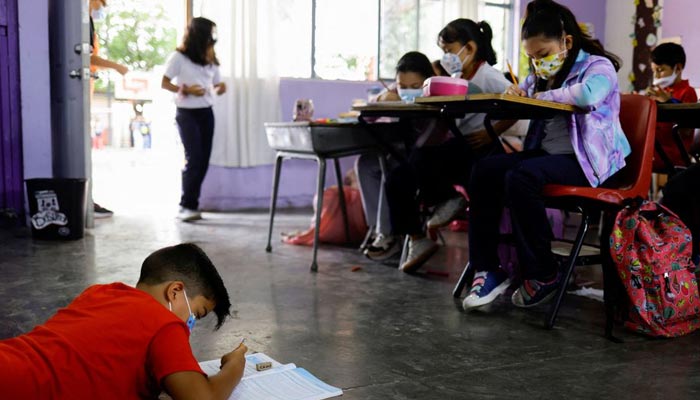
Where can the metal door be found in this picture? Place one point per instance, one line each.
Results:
(69, 45)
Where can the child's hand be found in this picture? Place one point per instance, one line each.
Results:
(515, 90)
(194, 90)
(237, 356)
(658, 94)
(391, 95)
(220, 88)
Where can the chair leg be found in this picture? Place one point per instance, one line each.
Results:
(404, 250)
(341, 197)
(319, 206)
(464, 280)
(571, 263)
(612, 287)
(273, 201)
(368, 236)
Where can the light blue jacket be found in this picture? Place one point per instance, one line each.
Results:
(599, 143)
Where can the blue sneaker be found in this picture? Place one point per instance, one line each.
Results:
(533, 292)
(486, 287)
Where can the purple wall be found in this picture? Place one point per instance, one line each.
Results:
(680, 18)
(240, 188)
(11, 182)
(587, 11)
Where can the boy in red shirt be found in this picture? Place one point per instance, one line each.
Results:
(667, 63)
(118, 342)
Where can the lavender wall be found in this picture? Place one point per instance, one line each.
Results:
(588, 11)
(231, 188)
(680, 18)
(35, 84)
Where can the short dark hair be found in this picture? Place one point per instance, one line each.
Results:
(188, 263)
(417, 62)
(669, 54)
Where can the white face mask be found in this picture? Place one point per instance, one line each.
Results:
(452, 63)
(409, 95)
(99, 14)
(666, 81)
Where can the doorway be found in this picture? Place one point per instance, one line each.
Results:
(136, 151)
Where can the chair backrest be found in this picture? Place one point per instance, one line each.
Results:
(638, 119)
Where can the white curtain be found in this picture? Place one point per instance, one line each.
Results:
(246, 48)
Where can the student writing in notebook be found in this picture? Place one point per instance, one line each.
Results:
(119, 342)
(668, 86)
(582, 149)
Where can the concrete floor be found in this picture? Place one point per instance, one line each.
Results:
(377, 333)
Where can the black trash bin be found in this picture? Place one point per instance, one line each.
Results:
(57, 207)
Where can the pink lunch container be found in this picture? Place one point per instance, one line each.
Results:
(445, 86)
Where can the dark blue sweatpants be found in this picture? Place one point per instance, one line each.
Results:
(516, 180)
(196, 126)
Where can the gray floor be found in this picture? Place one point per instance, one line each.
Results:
(377, 333)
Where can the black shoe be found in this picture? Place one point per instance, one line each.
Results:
(101, 212)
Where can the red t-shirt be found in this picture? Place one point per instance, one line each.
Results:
(112, 342)
(683, 92)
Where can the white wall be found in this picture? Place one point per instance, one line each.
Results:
(35, 85)
(618, 27)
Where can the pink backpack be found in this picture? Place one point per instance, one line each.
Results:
(651, 249)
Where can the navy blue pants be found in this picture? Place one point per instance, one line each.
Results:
(516, 180)
(196, 126)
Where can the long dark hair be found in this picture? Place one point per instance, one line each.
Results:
(464, 30)
(553, 20)
(197, 40)
(417, 62)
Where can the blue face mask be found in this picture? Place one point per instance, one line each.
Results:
(409, 95)
(191, 320)
(452, 63)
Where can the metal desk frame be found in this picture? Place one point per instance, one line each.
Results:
(684, 115)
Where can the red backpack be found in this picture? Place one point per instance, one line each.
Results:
(651, 250)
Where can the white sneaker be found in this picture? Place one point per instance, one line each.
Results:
(187, 215)
(383, 247)
(486, 287)
(446, 212)
(419, 251)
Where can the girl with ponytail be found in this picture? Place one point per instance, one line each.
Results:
(582, 149)
(433, 171)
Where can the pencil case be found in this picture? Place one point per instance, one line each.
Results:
(445, 86)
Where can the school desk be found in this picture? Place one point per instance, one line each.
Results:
(319, 142)
(683, 115)
(496, 107)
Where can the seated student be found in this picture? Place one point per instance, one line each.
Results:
(581, 150)
(667, 63)
(412, 70)
(118, 342)
(433, 171)
(682, 196)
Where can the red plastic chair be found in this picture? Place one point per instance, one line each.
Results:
(638, 119)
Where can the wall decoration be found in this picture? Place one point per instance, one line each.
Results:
(646, 21)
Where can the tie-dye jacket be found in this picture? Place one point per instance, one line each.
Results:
(596, 135)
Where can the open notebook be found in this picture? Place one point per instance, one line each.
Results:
(281, 382)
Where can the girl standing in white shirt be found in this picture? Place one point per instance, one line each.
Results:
(193, 73)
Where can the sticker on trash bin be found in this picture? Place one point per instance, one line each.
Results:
(47, 205)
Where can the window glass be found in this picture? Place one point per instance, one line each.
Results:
(346, 39)
(399, 33)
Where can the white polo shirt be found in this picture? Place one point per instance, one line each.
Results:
(183, 71)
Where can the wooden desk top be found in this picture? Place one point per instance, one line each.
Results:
(496, 99)
(395, 106)
(686, 115)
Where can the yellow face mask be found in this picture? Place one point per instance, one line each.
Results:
(547, 67)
